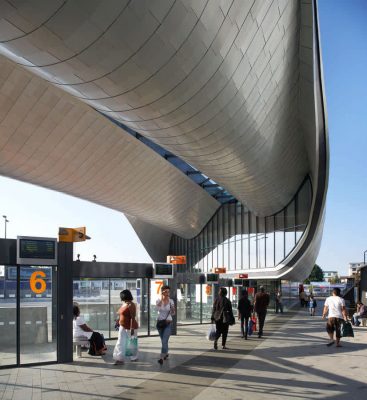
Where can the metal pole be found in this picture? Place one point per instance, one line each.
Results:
(364, 257)
(5, 222)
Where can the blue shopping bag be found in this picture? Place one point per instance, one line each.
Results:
(250, 329)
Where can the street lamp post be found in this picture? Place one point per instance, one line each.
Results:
(5, 222)
(364, 257)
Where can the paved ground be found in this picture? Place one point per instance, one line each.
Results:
(292, 362)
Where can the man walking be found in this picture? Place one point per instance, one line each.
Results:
(261, 303)
(335, 308)
(278, 302)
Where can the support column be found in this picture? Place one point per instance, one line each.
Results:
(65, 303)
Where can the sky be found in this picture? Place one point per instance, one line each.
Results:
(34, 211)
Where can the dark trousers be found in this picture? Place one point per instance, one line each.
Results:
(244, 325)
(261, 317)
(278, 307)
(221, 329)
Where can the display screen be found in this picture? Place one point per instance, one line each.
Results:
(163, 270)
(238, 282)
(30, 248)
(36, 250)
(212, 277)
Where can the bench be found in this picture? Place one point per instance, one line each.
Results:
(78, 343)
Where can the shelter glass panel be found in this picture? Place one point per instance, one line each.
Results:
(8, 315)
(188, 303)
(38, 334)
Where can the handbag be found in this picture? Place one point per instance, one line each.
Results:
(162, 323)
(347, 330)
(228, 316)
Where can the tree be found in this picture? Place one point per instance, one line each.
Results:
(334, 279)
(316, 275)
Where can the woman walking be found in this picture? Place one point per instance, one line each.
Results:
(222, 309)
(128, 327)
(166, 309)
(245, 310)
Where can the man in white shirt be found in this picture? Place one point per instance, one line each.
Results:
(335, 308)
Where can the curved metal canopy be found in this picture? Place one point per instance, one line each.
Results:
(215, 83)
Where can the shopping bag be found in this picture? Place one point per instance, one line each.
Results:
(250, 327)
(253, 319)
(347, 330)
(211, 333)
(131, 347)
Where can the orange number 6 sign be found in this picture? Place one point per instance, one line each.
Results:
(37, 284)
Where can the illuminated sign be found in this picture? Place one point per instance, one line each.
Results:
(36, 251)
(163, 270)
(243, 276)
(176, 260)
(212, 278)
(220, 270)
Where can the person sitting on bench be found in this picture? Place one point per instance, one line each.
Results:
(360, 314)
(82, 330)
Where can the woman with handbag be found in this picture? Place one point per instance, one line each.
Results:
(128, 327)
(222, 314)
(166, 309)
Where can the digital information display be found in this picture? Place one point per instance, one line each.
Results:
(163, 270)
(238, 282)
(212, 278)
(36, 251)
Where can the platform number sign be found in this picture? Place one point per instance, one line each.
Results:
(37, 282)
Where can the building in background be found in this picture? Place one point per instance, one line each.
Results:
(330, 275)
(354, 268)
(203, 122)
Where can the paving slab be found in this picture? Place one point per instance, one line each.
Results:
(291, 361)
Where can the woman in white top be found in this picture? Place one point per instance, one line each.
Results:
(82, 330)
(166, 308)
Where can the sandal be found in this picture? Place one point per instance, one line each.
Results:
(330, 344)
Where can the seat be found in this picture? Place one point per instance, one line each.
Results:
(78, 343)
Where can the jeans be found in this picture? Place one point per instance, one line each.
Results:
(355, 319)
(164, 334)
(244, 325)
